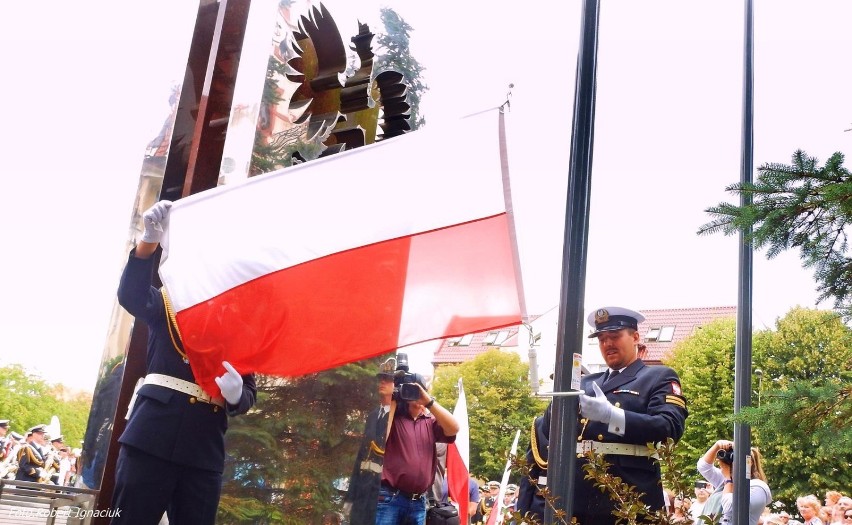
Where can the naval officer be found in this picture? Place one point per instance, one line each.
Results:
(172, 450)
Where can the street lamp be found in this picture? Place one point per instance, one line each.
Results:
(759, 373)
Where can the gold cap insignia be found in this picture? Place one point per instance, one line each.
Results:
(601, 316)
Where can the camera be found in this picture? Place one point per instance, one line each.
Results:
(404, 383)
(726, 456)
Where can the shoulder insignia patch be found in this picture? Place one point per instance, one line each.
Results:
(676, 388)
(676, 400)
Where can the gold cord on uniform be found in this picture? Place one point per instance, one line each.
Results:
(540, 461)
(376, 449)
(174, 331)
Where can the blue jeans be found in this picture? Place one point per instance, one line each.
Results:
(394, 509)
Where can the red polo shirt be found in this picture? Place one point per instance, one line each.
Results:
(410, 458)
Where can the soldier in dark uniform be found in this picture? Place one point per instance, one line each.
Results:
(33, 464)
(623, 409)
(530, 499)
(488, 501)
(4, 428)
(172, 451)
(363, 494)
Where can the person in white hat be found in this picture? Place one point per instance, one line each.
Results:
(622, 409)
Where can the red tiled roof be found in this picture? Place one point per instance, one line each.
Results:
(451, 353)
(684, 320)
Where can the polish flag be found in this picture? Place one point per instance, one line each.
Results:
(347, 257)
(458, 458)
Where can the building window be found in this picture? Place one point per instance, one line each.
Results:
(653, 334)
(502, 335)
(465, 340)
(490, 338)
(666, 334)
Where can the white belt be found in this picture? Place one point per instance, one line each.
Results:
(617, 449)
(186, 387)
(371, 467)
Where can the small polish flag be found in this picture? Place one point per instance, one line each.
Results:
(458, 457)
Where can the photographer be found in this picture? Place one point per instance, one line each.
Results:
(721, 477)
(417, 423)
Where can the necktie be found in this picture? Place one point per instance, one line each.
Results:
(612, 374)
(381, 425)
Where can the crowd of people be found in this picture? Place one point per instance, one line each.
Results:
(834, 509)
(36, 456)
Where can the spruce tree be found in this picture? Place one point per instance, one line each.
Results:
(395, 54)
(804, 206)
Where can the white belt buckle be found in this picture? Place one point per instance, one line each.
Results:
(587, 445)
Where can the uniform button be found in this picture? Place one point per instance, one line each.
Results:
(215, 408)
(617, 404)
(600, 437)
(579, 455)
(192, 400)
(584, 421)
(617, 429)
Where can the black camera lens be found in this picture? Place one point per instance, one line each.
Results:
(409, 392)
(726, 456)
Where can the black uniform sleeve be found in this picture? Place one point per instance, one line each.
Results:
(666, 411)
(135, 292)
(248, 398)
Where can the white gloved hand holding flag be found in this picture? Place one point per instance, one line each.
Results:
(231, 384)
(154, 220)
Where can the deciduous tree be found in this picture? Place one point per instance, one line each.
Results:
(498, 403)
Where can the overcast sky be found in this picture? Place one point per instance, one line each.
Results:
(87, 85)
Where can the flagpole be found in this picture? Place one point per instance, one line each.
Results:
(742, 353)
(563, 429)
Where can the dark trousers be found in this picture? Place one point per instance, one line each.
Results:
(147, 486)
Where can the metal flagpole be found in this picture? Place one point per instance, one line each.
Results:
(742, 358)
(563, 428)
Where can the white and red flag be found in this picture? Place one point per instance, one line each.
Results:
(347, 257)
(458, 457)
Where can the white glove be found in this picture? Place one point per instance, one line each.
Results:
(231, 384)
(154, 219)
(596, 408)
